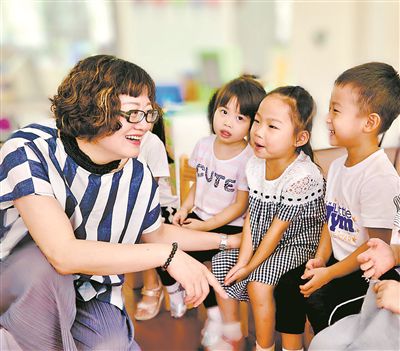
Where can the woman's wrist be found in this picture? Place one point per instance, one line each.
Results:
(172, 253)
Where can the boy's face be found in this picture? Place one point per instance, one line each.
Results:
(345, 122)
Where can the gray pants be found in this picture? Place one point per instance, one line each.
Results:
(39, 309)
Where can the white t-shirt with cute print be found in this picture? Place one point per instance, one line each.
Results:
(217, 181)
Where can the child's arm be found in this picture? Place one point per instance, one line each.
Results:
(229, 213)
(324, 250)
(323, 275)
(266, 248)
(181, 215)
(245, 253)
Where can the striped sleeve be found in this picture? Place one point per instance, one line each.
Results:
(22, 173)
(152, 219)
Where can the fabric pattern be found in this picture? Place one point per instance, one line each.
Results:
(297, 196)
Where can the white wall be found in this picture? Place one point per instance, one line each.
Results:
(330, 37)
(167, 38)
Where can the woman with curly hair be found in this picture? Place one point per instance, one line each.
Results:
(74, 203)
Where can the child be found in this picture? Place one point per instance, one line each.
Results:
(364, 103)
(153, 152)
(220, 193)
(286, 213)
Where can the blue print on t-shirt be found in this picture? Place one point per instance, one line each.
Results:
(339, 216)
(203, 171)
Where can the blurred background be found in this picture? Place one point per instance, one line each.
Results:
(190, 48)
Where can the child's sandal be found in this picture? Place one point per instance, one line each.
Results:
(144, 310)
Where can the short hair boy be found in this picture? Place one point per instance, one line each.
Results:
(364, 103)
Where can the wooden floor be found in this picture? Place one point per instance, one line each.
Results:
(166, 333)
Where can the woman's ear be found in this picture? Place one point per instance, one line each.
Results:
(302, 138)
(372, 123)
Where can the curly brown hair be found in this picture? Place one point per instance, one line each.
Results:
(87, 103)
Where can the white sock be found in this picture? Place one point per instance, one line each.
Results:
(283, 349)
(214, 314)
(232, 330)
(176, 296)
(259, 348)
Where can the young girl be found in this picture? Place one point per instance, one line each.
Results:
(286, 213)
(153, 152)
(220, 193)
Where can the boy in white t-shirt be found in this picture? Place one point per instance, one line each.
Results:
(360, 190)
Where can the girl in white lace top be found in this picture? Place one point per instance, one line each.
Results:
(286, 213)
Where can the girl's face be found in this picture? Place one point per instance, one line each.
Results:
(273, 132)
(125, 142)
(229, 125)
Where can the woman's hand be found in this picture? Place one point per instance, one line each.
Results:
(387, 295)
(378, 259)
(194, 278)
(237, 273)
(180, 216)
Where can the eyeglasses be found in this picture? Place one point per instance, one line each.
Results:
(136, 116)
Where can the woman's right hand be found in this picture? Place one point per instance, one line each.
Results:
(194, 277)
(180, 216)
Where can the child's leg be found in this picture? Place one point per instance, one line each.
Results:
(230, 331)
(290, 309)
(322, 302)
(263, 307)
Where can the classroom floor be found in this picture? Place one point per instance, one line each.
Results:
(164, 333)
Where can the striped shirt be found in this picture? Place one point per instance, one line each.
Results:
(114, 207)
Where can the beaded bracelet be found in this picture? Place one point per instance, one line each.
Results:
(171, 256)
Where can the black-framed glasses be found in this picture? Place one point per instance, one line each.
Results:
(136, 116)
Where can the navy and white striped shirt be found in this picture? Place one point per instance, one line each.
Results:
(114, 207)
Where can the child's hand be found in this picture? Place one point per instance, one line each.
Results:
(237, 273)
(388, 295)
(378, 259)
(314, 263)
(194, 224)
(180, 216)
(318, 278)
